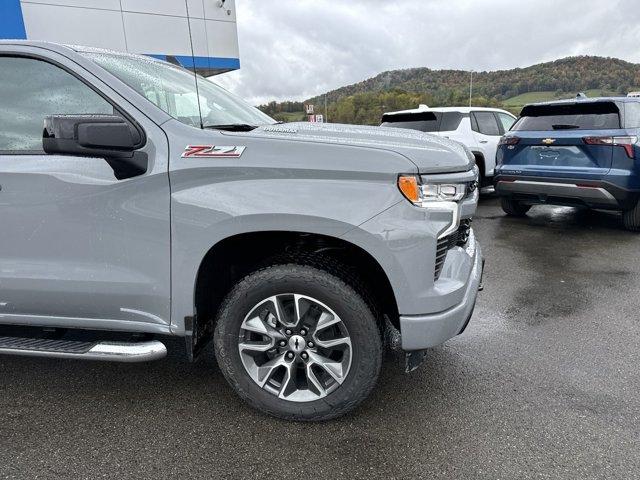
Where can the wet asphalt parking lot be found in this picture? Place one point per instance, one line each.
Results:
(543, 384)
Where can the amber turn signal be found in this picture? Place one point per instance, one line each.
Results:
(408, 185)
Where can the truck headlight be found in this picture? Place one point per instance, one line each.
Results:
(435, 197)
(421, 194)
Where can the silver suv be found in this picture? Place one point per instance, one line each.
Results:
(139, 213)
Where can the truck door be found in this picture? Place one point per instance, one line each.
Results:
(78, 246)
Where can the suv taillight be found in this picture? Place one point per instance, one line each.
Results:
(626, 142)
(509, 140)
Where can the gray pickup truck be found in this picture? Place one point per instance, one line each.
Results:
(139, 213)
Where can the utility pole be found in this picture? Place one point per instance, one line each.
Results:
(326, 113)
(470, 88)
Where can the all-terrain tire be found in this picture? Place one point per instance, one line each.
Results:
(513, 207)
(332, 290)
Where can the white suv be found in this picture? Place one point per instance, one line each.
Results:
(478, 128)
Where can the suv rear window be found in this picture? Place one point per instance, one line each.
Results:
(423, 121)
(572, 116)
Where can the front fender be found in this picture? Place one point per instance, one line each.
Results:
(403, 240)
(205, 214)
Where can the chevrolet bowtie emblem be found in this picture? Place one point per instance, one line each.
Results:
(548, 141)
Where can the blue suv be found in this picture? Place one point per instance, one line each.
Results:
(580, 152)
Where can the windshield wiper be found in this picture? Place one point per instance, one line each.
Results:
(232, 127)
(565, 126)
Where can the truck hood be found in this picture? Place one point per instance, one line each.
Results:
(429, 153)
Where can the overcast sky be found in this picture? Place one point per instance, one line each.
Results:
(295, 49)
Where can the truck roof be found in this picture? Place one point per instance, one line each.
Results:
(37, 43)
(64, 47)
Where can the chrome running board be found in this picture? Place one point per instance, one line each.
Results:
(107, 351)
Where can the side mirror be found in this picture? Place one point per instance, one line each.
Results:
(108, 136)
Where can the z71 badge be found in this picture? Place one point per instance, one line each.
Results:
(212, 151)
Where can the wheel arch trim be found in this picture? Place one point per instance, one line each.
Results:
(187, 271)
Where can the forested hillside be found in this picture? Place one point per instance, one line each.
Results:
(364, 102)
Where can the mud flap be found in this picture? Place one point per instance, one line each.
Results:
(196, 339)
(414, 359)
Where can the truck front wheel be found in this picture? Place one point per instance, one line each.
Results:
(298, 342)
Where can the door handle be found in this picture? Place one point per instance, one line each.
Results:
(484, 141)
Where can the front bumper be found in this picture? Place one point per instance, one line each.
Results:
(433, 299)
(419, 332)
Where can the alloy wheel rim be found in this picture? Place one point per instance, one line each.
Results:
(295, 347)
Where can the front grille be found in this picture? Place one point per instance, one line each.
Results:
(441, 256)
(472, 187)
(456, 239)
(461, 236)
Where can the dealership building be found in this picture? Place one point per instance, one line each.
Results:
(192, 33)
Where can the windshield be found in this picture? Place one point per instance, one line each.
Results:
(173, 89)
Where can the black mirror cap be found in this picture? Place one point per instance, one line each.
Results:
(111, 137)
(90, 135)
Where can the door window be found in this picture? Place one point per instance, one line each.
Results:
(632, 115)
(506, 121)
(486, 123)
(30, 90)
(450, 121)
